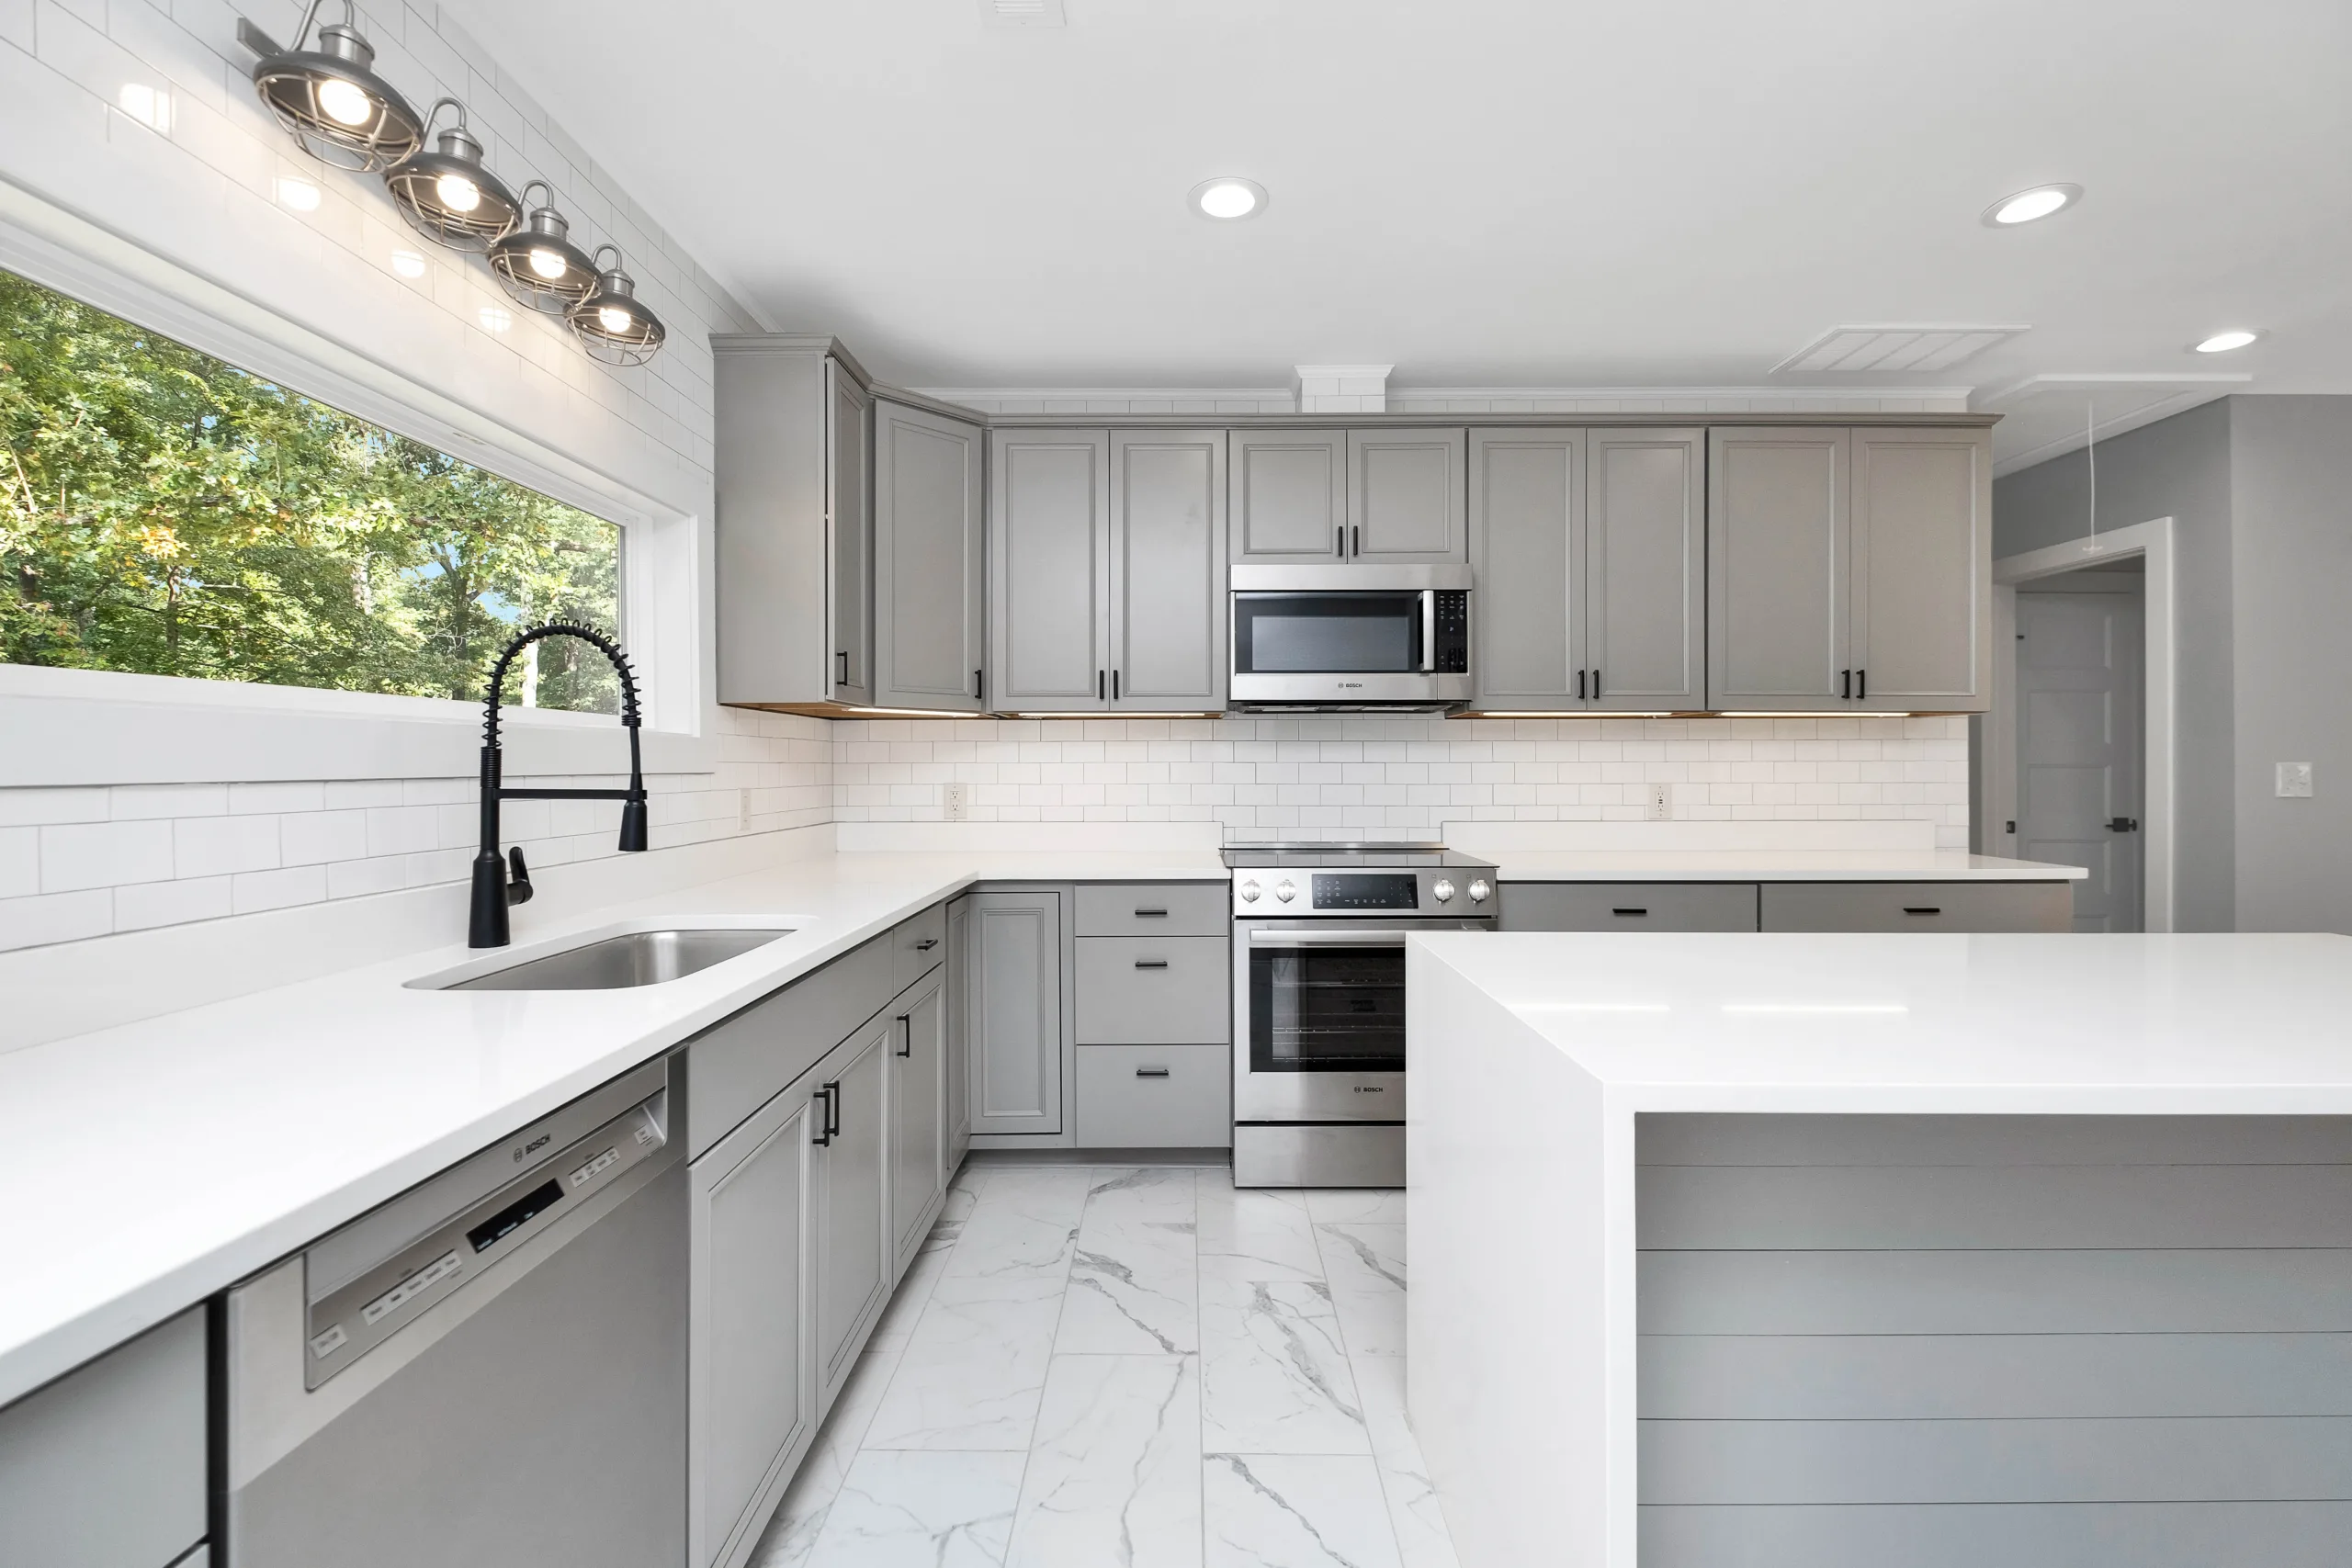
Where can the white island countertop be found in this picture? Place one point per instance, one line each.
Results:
(150, 1164)
(1522, 1326)
(1775, 866)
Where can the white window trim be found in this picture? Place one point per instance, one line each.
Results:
(87, 726)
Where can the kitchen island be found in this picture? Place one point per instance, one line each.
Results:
(1847, 1249)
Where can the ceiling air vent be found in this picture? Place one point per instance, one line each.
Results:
(1023, 13)
(1846, 351)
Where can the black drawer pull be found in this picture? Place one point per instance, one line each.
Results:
(1151, 914)
(1151, 964)
(1151, 1072)
(907, 1029)
(1629, 912)
(1921, 909)
(926, 944)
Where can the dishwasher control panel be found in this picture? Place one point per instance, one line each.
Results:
(362, 1312)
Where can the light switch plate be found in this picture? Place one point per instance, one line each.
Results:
(2294, 781)
(1658, 802)
(955, 802)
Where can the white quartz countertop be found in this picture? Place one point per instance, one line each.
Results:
(148, 1166)
(1773, 865)
(2212, 1023)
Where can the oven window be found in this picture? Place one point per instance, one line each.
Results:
(1327, 1010)
(1323, 634)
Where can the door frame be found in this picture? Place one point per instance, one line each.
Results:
(1995, 758)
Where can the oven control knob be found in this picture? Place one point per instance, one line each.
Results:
(1478, 891)
(1249, 891)
(1443, 890)
(1285, 890)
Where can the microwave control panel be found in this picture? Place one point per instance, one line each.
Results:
(1452, 654)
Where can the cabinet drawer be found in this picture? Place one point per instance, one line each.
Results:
(1155, 1097)
(1918, 905)
(1137, 991)
(1155, 908)
(1629, 907)
(918, 946)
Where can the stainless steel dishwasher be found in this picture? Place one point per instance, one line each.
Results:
(488, 1371)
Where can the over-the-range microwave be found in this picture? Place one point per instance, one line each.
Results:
(1393, 638)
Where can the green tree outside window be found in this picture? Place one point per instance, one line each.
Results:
(164, 513)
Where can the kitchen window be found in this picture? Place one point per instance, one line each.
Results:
(164, 513)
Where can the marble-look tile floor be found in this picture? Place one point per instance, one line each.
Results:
(1128, 1367)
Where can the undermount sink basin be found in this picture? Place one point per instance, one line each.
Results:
(634, 958)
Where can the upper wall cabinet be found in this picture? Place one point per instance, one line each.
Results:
(794, 458)
(1107, 571)
(1849, 569)
(1587, 547)
(1316, 497)
(929, 560)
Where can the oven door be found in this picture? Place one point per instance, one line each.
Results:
(1320, 1020)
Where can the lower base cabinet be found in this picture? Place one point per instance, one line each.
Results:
(850, 1188)
(1155, 1097)
(918, 1114)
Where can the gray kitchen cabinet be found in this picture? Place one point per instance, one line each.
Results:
(1289, 496)
(1777, 575)
(793, 465)
(1155, 908)
(1922, 569)
(1050, 571)
(1645, 583)
(958, 1088)
(1407, 497)
(918, 1115)
(1527, 502)
(1167, 556)
(752, 1402)
(104, 1468)
(1150, 990)
(1849, 571)
(929, 560)
(1014, 1011)
(1976, 907)
(1629, 907)
(849, 1189)
(918, 945)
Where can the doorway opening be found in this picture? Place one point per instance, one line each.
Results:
(2073, 760)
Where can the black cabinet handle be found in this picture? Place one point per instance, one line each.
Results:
(1580, 686)
(1151, 914)
(841, 662)
(1151, 964)
(980, 688)
(1629, 912)
(832, 1111)
(906, 1035)
(1099, 678)
(825, 1123)
(1922, 910)
(1357, 544)
(1845, 683)
(926, 944)
(1596, 682)
(1339, 541)
(1151, 1072)
(1862, 685)
(2117, 824)
(1114, 686)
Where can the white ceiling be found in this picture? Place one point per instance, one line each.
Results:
(1483, 192)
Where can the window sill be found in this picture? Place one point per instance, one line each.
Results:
(96, 727)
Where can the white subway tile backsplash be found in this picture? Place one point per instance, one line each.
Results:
(257, 890)
(56, 917)
(146, 904)
(18, 807)
(103, 854)
(218, 846)
(20, 862)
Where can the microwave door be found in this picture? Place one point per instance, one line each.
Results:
(1331, 633)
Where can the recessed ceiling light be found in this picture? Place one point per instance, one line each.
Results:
(2222, 342)
(2028, 205)
(1229, 196)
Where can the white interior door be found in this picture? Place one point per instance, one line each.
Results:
(2079, 693)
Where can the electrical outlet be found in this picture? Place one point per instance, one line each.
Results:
(742, 810)
(956, 802)
(2294, 781)
(1658, 803)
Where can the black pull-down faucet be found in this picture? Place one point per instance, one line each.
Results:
(492, 890)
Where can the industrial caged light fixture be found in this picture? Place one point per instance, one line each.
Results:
(538, 265)
(329, 97)
(611, 323)
(448, 195)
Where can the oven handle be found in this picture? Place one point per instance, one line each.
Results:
(1429, 631)
(1327, 938)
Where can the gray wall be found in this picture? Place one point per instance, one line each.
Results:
(2180, 468)
(2291, 562)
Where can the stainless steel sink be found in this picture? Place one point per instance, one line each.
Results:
(636, 958)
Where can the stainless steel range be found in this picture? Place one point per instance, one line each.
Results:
(1318, 1000)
